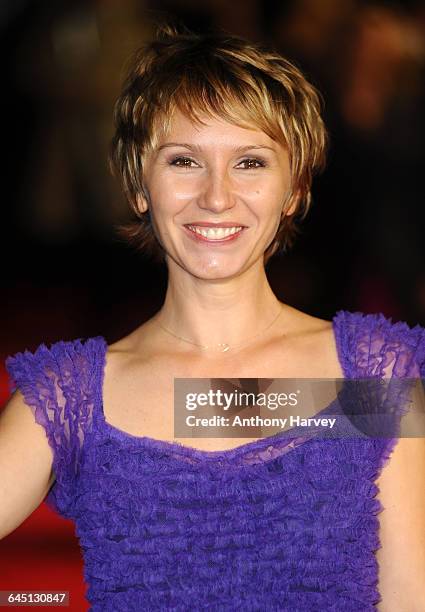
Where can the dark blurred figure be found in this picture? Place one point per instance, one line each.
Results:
(69, 64)
(381, 101)
(365, 227)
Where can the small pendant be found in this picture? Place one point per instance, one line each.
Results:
(224, 347)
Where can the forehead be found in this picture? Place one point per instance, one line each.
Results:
(182, 128)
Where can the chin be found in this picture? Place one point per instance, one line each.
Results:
(212, 266)
(215, 270)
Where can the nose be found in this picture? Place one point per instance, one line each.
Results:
(216, 193)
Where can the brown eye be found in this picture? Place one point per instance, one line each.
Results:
(186, 162)
(251, 161)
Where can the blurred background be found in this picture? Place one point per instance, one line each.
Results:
(67, 274)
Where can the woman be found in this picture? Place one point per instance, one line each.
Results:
(216, 143)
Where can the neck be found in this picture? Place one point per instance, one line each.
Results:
(228, 311)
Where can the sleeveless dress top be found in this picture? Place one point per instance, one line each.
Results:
(281, 523)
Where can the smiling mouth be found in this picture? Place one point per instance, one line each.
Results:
(215, 233)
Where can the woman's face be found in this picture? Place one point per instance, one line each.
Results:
(203, 178)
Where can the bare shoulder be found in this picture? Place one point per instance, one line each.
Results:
(313, 339)
(137, 341)
(132, 357)
(306, 323)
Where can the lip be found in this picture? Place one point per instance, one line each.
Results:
(201, 239)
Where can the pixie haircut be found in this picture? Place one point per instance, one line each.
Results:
(222, 76)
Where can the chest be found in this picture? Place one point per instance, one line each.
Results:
(138, 394)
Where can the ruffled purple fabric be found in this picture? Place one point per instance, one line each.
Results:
(277, 524)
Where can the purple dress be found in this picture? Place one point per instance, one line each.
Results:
(280, 523)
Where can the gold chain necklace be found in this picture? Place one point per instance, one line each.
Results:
(222, 346)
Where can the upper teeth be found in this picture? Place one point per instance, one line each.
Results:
(214, 233)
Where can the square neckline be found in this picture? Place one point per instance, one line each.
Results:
(111, 430)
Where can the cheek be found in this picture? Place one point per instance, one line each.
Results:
(164, 202)
(171, 194)
(268, 204)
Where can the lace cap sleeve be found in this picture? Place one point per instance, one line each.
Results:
(57, 385)
(375, 346)
(378, 348)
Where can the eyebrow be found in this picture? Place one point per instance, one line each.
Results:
(198, 148)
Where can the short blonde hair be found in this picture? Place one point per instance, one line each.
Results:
(218, 75)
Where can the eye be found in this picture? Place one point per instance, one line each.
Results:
(186, 162)
(251, 161)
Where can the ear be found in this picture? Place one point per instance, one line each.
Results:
(141, 202)
(291, 205)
